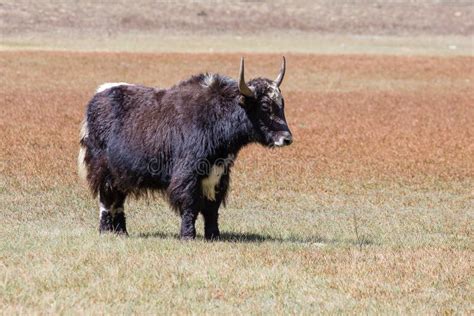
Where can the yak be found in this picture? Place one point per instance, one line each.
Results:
(181, 142)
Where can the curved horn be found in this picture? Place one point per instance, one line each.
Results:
(279, 79)
(243, 88)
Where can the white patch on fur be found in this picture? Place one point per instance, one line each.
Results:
(113, 211)
(275, 95)
(109, 85)
(84, 132)
(209, 184)
(102, 209)
(208, 80)
(81, 164)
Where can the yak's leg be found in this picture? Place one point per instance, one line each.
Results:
(188, 221)
(210, 209)
(210, 212)
(183, 196)
(112, 216)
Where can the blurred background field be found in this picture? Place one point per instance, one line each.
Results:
(321, 26)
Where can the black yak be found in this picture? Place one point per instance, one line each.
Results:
(180, 141)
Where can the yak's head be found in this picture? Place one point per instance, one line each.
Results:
(265, 106)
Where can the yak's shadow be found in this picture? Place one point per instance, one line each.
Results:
(159, 235)
(258, 238)
(238, 237)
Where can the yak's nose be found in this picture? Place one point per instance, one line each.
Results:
(284, 139)
(288, 139)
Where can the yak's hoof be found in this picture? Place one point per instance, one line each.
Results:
(106, 223)
(113, 224)
(123, 233)
(213, 235)
(119, 224)
(113, 231)
(187, 233)
(187, 237)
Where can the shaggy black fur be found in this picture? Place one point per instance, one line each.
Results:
(143, 139)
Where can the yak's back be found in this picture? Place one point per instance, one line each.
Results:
(111, 106)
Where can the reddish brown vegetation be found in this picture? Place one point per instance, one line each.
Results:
(352, 116)
(341, 235)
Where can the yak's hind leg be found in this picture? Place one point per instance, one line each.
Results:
(112, 216)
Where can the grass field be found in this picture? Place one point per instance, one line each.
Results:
(369, 211)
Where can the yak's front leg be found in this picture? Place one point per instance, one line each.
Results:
(183, 196)
(212, 200)
(188, 223)
(210, 212)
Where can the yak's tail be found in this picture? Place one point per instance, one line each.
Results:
(81, 158)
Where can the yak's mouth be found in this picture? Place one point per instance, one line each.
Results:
(281, 139)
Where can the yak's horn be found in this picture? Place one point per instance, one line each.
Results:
(243, 88)
(279, 79)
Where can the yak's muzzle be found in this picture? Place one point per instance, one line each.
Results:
(283, 139)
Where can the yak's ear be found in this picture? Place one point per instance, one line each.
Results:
(243, 88)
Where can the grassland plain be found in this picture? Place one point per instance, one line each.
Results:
(305, 26)
(369, 211)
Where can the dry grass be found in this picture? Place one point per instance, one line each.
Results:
(387, 141)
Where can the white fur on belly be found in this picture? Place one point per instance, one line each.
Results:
(109, 85)
(209, 184)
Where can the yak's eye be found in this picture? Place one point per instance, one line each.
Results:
(266, 107)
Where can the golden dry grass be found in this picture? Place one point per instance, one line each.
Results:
(370, 210)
